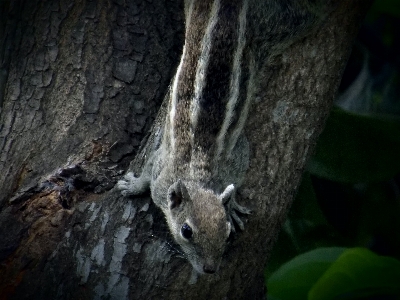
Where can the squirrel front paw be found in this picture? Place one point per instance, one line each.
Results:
(228, 198)
(132, 185)
(232, 208)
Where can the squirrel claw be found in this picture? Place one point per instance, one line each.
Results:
(238, 221)
(233, 207)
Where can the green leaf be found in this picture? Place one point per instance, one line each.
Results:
(294, 279)
(358, 272)
(356, 148)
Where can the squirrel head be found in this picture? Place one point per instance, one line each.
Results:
(198, 222)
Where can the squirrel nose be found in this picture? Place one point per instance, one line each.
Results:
(209, 269)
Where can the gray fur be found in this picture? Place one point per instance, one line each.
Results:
(193, 174)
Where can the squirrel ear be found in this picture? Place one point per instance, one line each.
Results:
(177, 193)
(226, 195)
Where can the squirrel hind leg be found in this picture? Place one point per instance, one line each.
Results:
(131, 185)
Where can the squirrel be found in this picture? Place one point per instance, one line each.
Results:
(202, 154)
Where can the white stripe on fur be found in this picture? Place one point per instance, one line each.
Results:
(245, 111)
(174, 92)
(235, 79)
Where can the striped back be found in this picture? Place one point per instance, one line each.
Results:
(226, 44)
(210, 92)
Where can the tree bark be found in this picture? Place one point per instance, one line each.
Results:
(81, 83)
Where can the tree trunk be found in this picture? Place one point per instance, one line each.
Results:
(80, 86)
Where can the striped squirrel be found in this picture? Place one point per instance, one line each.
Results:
(202, 154)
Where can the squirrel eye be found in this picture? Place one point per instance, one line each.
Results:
(186, 231)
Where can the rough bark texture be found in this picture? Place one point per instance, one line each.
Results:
(80, 84)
